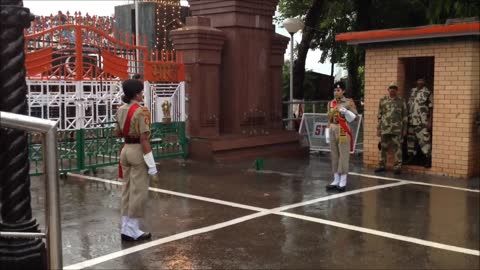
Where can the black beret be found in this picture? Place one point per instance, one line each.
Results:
(339, 85)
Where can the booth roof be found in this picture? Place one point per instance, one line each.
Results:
(411, 33)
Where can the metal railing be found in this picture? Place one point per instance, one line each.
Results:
(92, 148)
(53, 223)
(311, 106)
(308, 106)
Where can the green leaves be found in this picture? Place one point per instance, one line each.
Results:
(325, 19)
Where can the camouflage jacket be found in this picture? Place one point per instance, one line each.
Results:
(392, 115)
(419, 105)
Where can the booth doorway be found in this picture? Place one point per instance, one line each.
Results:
(415, 68)
(412, 69)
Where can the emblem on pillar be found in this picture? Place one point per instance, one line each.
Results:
(166, 106)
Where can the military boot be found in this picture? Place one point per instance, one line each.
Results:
(428, 162)
(410, 159)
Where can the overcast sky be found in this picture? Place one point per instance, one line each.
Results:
(106, 8)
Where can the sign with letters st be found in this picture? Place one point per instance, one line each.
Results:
(319, 129)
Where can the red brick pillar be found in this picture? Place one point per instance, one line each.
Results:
(202, 47)
(279, 44)
(247, 75)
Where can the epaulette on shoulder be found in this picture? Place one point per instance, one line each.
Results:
(145, 110)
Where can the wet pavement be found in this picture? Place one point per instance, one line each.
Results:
(229, 216)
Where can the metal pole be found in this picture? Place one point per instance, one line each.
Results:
(54, 236)
(49, 128)
(137, 38)
(290, 105)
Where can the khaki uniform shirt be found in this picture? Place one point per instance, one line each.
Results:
(140, 122)
(333, 113)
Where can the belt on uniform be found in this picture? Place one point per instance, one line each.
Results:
(132, 140)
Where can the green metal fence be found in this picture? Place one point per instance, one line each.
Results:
(88, 149)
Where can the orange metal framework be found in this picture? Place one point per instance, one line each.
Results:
(79, 48)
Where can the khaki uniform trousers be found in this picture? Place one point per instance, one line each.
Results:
(136, 181)
(340, 150)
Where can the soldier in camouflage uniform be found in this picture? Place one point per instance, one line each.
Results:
(392, 127)
(420, 105)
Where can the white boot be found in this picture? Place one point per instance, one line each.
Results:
(124, 224)
(334, 184)
(336, 179)
(132, 229)
(343, 180)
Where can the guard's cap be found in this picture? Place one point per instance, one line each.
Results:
(393, 85)
(339, 85)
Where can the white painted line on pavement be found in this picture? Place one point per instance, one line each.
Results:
(243, 206)
(371, 176)
(412, 182)
(335, 196)
(164, 240)
(384, 234)
(200, 198)
(261, 212)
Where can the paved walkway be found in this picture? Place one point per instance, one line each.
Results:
(206, 216)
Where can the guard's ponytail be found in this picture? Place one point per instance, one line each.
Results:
(131, 88)
(125, 99)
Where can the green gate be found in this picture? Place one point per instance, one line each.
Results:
(88, 149)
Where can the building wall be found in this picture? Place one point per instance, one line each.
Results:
(148, 22)
(455, 140)
(123, 18)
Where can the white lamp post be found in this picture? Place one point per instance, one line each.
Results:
(292, 25)
(137, 36)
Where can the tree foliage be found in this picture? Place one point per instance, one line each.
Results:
(338, 16)
(440, 10)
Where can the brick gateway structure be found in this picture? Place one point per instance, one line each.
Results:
(233, 73)
(448, 56)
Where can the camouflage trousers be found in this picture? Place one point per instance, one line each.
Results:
(396, 142)
(421, 136)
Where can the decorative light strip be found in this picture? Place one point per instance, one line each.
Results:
(167, 15)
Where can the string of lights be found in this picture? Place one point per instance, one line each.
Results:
(167, 13)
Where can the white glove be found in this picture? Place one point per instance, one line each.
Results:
(327, 135)
(152, 168)
(342, 110)
(350, 116)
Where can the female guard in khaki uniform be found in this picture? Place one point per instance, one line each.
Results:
(136, 159)
(340, 111)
